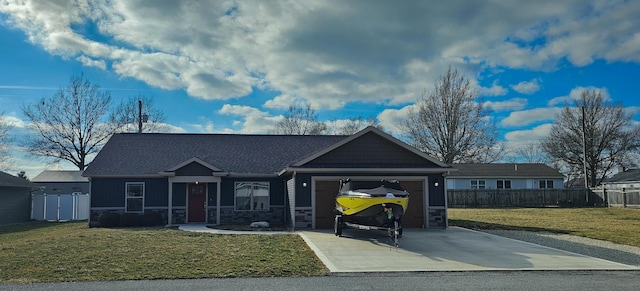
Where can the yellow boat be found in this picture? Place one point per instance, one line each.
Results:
(370, 205)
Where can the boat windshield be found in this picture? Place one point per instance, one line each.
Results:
(373, 188)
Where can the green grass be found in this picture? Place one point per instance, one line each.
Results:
(55, 252)
(618, 225)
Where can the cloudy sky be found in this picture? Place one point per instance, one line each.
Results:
(236, 66)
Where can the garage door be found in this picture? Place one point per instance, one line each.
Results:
(326, 192)
(414, 217)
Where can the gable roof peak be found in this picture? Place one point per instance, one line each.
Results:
(368, 130)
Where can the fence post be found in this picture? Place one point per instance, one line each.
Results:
(624, 198)
(44, 209)
(58, 210)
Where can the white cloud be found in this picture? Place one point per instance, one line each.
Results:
(14, 121)
(526, 117)
(253, 120)
(527, 87)
(529, 135)
(326, 52)
(92, 63)
(494, 90)
(393, 119)
(575, 95)
(507, 105)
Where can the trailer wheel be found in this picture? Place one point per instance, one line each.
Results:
(337, 225)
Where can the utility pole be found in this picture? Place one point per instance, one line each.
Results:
(140, 116)
(584, 156)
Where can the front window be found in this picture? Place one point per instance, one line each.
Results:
(503, 184)
(134, 199)
(546, 184)
(478, 184)
(252, 195)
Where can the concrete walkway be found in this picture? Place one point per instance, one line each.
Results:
(453, 249)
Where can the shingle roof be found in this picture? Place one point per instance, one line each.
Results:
(632, 175)
(7, 180)
(59, 176)
(504, 170)
(151, 153)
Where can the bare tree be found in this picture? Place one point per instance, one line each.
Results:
(450, 125)
(602, 130)
(71, 125)
(531, 153)
(353, 125)
(5, 142)
(128, 114)
(300, 120)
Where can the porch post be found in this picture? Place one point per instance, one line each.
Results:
(218, 201)
(170, 211)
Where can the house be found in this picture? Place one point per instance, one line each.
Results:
(15, 199)
(625, 179)
(622, 189)
(62, 182)
(237, 179)
(504, 176)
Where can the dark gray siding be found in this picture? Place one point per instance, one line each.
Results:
(212, 188)
(194, 169)
(371, 151)
(109, 192)
(15, 205)
(179, 194)
(303, 194)
(436, 193)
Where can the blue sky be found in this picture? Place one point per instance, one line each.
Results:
(235, 66)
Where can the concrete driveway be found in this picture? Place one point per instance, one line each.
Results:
(453, 249)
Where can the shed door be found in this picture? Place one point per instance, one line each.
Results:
(197, 198)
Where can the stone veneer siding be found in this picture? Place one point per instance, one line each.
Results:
(304, 217)
(212, 215)
(437, 218)
(94, 215)
(275, 216)
(178, 216)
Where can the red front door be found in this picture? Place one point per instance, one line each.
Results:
(197, 202)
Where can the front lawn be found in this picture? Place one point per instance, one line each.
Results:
(54, 252)
(618, 225)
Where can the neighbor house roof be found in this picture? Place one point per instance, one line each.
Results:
(7, 180)
(504, 170)
(59, 176)
(632, 175)
(152, 153)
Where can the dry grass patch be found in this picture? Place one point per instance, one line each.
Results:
(54, 252)
(618, 225)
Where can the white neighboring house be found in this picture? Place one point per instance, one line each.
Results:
(504, 176)
(629, 179)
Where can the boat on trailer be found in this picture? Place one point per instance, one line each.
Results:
(371, 205)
